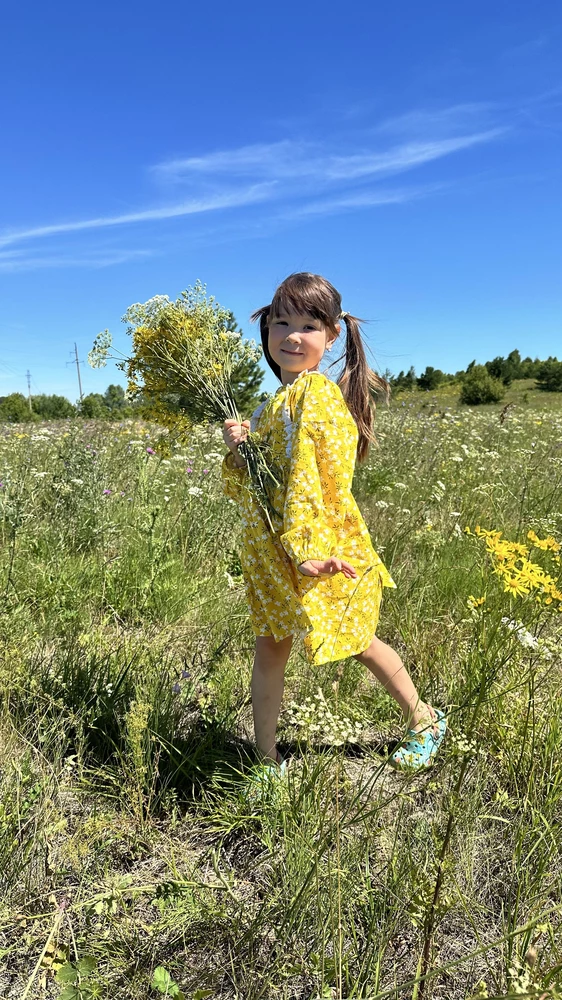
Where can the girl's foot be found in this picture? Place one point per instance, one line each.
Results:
(424, 716)
(265, 780)
(419, 748)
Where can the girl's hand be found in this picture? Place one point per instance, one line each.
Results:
(234, 433)
(328, 567)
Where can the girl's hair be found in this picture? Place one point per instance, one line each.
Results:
(312, 295)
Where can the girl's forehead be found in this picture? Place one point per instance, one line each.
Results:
(294, 316)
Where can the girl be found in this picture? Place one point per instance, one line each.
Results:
(317, 576)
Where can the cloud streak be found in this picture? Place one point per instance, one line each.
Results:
(288, 160)
(18, 260)
(258, 192)
(304, 177)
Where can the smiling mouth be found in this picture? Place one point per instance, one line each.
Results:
(296, 353)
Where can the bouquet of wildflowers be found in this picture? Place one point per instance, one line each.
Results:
(185, 348)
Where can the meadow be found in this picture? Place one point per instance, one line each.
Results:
(131, 865)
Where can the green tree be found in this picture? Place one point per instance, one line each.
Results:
(404, 381)
(549, 376)
(114, 397)
(430, 378)
(14, 409)
(52, 407)
(478, 386)
(530, 368)
(514, 362)
(93, 406)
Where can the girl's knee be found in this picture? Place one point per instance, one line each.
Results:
(267, 644)
(269, 640)
(369, 650)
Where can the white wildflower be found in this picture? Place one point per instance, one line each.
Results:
(525, 637)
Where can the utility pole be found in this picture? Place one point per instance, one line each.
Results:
(28, 373)
(78, 370)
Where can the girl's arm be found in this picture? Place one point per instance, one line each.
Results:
(234, 469)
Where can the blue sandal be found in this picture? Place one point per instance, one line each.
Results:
(418, 750)
(265, 781)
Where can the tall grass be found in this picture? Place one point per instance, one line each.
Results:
(125, 729)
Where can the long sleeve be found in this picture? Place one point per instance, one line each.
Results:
(233, 477)
(312, 495)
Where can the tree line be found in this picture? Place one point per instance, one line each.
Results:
(478, 384)
(485, 383)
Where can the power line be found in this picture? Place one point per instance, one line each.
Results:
(78, 370)
(78, 363)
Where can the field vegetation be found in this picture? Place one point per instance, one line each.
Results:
(131, 865)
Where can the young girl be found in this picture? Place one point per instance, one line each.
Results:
(317, 576)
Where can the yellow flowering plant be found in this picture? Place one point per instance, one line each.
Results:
(519, 574)
(185, 349)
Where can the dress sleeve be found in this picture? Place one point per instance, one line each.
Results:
(306, 531)
(233, 477)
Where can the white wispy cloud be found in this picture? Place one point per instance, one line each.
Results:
(20, 260)
(437, 121)
(227, 199)
(362, 199)
(287, 160)
(303, 177)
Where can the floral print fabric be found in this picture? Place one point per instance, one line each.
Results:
(313, 440)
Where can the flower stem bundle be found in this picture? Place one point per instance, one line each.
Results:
(184, 355)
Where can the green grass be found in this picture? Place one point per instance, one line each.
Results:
(125, 728)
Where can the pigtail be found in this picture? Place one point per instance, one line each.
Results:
(359, 385)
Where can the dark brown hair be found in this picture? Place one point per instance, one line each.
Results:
(312, 295)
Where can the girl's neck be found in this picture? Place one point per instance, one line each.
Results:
(287, 378)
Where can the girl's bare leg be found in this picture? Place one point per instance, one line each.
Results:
(387, 667)
(268, 679)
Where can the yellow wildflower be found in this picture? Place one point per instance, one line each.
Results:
(475, 602)
(514, 585)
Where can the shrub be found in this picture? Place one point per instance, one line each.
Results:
(479, 387)
(14, 409)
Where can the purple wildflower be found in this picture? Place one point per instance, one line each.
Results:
(176, 688)
(189, 469)
(150, 451)
(204, 471)
(185, 675)
(106, 492)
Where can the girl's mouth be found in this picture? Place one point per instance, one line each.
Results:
(295, 353)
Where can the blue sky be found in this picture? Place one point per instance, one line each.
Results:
(410, 153)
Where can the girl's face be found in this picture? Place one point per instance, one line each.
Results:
(297, 343)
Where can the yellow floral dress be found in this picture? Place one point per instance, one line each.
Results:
(313, 440)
